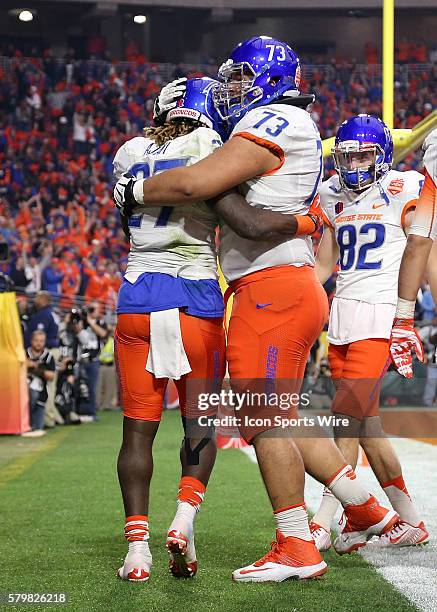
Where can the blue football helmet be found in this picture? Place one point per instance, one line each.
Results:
(363, 151)
(259, 71)
(197, 104)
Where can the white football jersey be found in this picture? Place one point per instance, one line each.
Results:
(289, 188)
(179, 240)
(425, 218)
(369, 231)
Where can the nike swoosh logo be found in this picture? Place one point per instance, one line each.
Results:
(259, 569)
(379, 205)
(264, 305)
(137, 573)
(394, 540)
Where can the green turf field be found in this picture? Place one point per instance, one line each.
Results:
(62, 525)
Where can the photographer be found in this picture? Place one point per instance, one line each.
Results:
(68, 387)
(96, 333)
(41, 370)
(82, 334)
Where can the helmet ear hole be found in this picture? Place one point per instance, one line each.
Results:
(274, 81)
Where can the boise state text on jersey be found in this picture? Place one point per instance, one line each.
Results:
(369, 232)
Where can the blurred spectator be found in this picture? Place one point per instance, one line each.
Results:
(83, 134)
(18, 274)
(428, 335)
(403, 51)
(427, 305)
(40, 369)
(419, 52)
(370, 53)
(43, 320)
(33, 272)
(52, 277)
(98, 282)
(33, 98)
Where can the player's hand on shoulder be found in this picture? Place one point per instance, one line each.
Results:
(124, 196)
(168, 98)
(404, 341)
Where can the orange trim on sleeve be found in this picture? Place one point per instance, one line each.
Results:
(267, 144)
(411, 205)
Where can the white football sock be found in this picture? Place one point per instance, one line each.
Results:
(347, 488)
(138, 555)
(184, 519)
(400, 500)
(293, 522)
(327, 509)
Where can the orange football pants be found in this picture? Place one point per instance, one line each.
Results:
(142, 394)
(357, 370)
(277, 315)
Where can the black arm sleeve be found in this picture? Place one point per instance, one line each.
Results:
(252, 223)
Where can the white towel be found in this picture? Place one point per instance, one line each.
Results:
(167, 357)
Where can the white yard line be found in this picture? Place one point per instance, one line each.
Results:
(412, 571)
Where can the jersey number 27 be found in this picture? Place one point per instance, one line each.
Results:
(147, 170)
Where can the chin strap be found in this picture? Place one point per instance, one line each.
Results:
(301, 101)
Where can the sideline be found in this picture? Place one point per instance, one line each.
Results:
(18, 466)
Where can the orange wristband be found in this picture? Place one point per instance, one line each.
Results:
(305, 225)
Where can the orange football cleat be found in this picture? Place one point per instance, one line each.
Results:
(362, 522)
(182, 562)
(288, 558)
(402, 534)
(137, 563)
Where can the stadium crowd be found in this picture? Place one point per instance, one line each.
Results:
(61, 122)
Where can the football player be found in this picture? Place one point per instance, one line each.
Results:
(170, 325)
(170, 311)
(275, 155)
(368, 208)
(423, 233)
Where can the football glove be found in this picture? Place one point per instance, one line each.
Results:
(312, 221)
(124, 196)
(315, 212)
(168, 98)
(404, 340)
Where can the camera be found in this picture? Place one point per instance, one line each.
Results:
(6, 283)
(77, 315)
